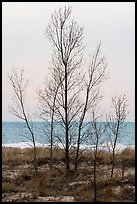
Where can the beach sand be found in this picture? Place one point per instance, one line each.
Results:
(20, 184)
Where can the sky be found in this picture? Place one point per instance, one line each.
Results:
(24, 46)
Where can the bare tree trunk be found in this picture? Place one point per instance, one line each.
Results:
(113, 163)
(51, 147)
(66, 122)
(19, 87)
(47, 100)
(113, 150)
(95, 183)
(98, 65)
(123, 171)
(33, 139)
(79, 130)
(95, 133)
(77, 151)
(116, 124)
(78, 146)
(51, 133)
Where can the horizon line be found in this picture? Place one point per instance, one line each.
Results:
(47, 121)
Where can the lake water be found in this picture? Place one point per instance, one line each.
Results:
(15, 134)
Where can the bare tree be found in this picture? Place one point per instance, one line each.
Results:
(47, 99)
(66, 37)
(71, 80)
(96, 75)
(116, 124)
(19, 85)
(96, 132)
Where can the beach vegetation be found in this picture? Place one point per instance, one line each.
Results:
(116, 124)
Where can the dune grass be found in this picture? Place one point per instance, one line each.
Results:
(18, 175)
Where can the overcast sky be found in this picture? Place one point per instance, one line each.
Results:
(24, 45)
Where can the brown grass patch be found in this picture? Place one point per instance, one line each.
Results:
(127, 157)
(51, 183)
(18, 175)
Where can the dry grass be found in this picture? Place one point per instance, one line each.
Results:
(107, 195)
(104, 157)
(51, 183)
(18, 175)
(127, 156)
(8, 187)
(83, 193)
(19, 155)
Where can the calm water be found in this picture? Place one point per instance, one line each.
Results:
(15, 132)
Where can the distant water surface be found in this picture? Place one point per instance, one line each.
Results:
(16, 133)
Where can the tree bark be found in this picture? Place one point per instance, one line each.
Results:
(95, 186)
(66, 123)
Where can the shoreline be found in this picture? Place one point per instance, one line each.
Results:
(22, 145)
